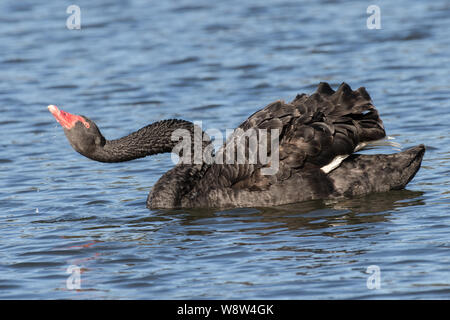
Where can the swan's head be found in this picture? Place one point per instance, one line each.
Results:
(82, 133)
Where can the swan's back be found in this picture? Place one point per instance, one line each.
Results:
(315, 129)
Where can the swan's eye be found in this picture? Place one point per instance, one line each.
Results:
(86, 124)
(100, 141)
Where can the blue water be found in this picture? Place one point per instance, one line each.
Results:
(135, 62)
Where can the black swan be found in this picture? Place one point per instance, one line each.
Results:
(317, 137)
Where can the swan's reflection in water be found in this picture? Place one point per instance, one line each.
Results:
(316, 245)
(376, 207)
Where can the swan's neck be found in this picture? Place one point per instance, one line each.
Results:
(152, 139)
(157, 138)
(169, 190)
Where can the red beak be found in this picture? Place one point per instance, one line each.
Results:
(65, 119)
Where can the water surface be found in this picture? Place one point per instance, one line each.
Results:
(135, 62)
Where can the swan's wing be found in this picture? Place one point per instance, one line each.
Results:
(322, 129)
(315, 132)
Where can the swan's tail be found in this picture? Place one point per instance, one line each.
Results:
(384, 142)
(361, 174)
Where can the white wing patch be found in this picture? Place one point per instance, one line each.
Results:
(382, 142)
(334, 164)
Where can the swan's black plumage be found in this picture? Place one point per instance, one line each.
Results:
(313, 131)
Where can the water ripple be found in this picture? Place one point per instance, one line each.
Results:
(217, 63)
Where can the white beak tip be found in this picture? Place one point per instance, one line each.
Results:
(52, 108)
